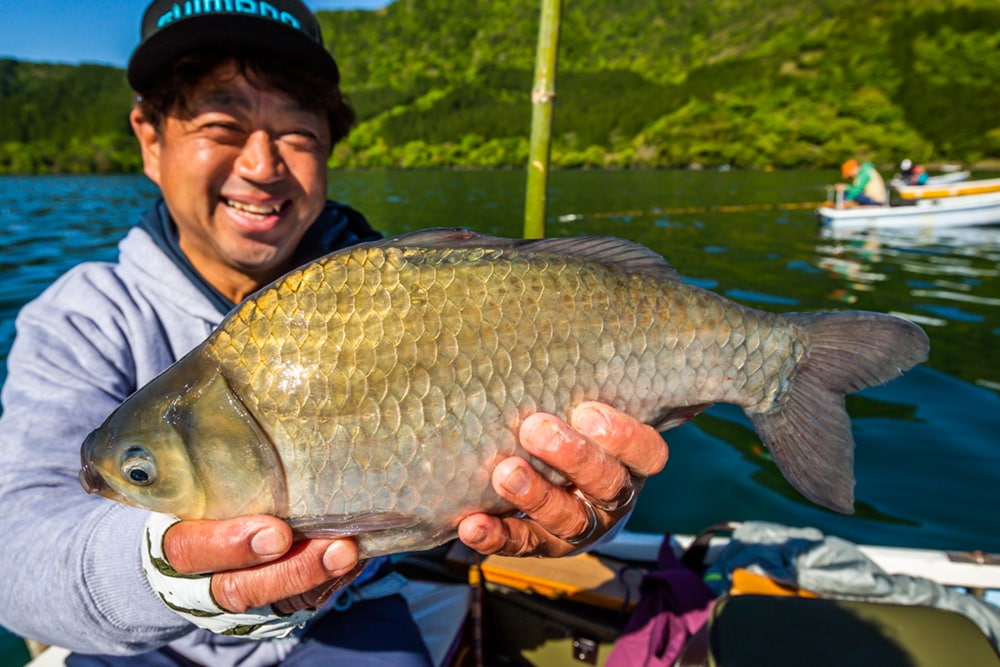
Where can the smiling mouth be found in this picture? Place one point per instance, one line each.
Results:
(254, 210)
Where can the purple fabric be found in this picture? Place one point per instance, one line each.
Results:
(674, 606)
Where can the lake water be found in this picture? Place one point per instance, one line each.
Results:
(928, 457)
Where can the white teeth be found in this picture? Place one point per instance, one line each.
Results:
(253, 208)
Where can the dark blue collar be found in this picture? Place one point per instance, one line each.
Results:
(337, 227)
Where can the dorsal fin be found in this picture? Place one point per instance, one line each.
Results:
(626, 255)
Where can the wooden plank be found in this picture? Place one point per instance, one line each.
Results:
(588, 578)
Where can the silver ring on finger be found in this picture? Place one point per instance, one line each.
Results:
(624, 498)
(592, 522)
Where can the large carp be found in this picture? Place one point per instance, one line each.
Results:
(372, 391)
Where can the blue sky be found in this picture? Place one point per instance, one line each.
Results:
(93, 31)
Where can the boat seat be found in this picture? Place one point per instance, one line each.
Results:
(782, 630)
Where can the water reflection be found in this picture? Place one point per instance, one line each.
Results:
(979, 242)
(951, 277)
(951, 265)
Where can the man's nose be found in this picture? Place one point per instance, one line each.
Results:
(260, 160)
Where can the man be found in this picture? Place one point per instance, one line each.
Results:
(867, 186)
(238, 110)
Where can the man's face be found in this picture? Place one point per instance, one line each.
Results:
(243, 173)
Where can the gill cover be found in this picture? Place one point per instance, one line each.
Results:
(186, 445)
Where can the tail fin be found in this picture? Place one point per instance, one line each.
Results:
(808, 431)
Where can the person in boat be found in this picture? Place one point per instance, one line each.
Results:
(238, 110)
(912, 174)
(867, 188)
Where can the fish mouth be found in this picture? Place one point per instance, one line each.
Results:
(90, 479)
(92, 482)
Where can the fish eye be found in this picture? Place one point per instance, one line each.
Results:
(138, 466)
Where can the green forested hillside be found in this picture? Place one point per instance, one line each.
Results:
(642, 83)
(59, 118)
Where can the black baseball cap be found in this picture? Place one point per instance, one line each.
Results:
(284, 29)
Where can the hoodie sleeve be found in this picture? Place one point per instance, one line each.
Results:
(70, 571)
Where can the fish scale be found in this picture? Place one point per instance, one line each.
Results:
(374, 390)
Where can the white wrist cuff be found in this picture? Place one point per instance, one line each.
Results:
(190, 595)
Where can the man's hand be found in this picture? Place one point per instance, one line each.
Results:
(255, 562)
(603, 452)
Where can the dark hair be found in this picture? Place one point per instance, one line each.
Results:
(309, 87)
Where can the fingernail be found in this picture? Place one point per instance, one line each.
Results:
(338, 558)
(268, 542)
(544, 436)
(591, 420)
(517, 482)
(477, 536)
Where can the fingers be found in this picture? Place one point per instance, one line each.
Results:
(603, 451)
(605, 454)
(554, 513)
(588, 466)
(255, 561)
(636, 445)
(195, 547)
(553, 521)
(316, 597)
(488, 535)
(310, 564)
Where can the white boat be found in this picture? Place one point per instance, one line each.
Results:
(964, 211)
(938, 179)
(932, 190)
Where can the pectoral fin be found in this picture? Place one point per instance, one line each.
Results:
(347, 525)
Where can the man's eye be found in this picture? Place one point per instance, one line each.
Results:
(224, 127)
(303, 139)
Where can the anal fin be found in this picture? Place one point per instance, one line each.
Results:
(675, 416)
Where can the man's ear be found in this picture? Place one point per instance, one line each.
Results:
(149, 142)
